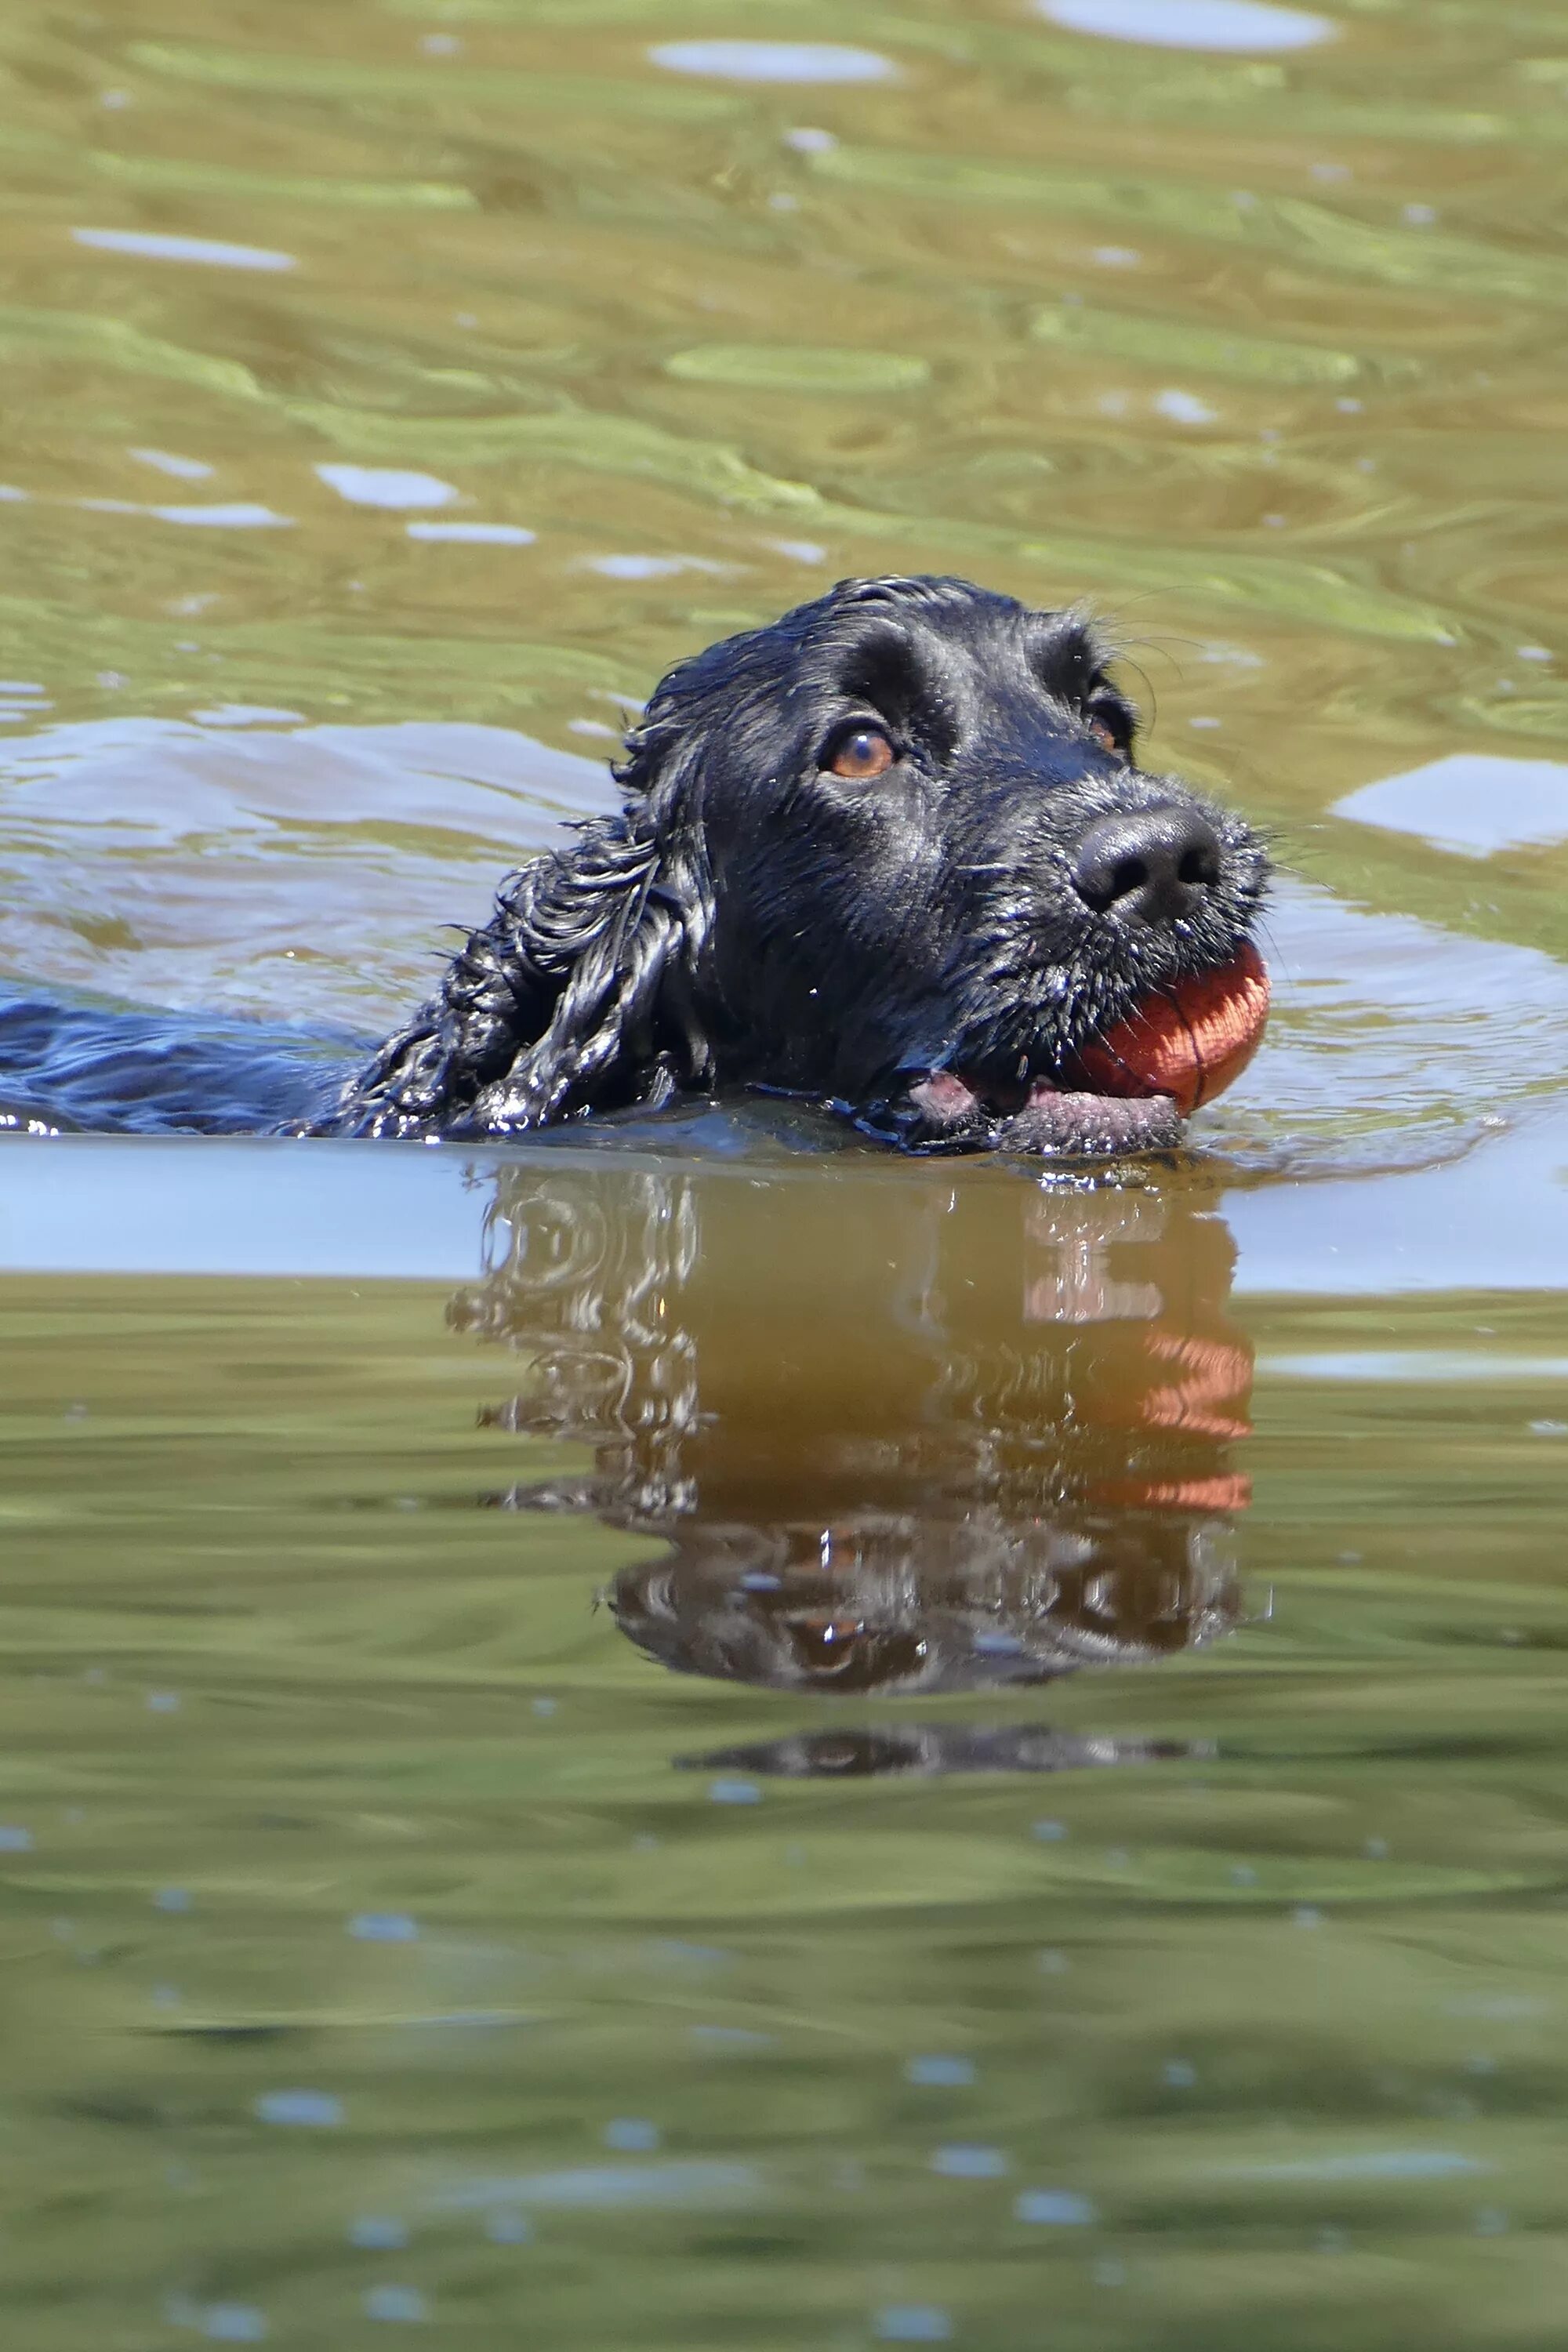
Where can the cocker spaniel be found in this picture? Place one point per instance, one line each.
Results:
(893, 854)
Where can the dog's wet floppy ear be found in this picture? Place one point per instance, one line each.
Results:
(577, 993)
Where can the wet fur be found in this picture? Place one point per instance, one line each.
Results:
(748, 918)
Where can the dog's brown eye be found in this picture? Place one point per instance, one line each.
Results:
(1110, 721)
(866, 754)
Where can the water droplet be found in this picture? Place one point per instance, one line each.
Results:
(378, 2232)
(1057, 2208)
(1182, 407)
(734, 1792)
(398, 2302)
(508, 2230)
(913, 2323)
(316, 2110)
(964, 2162)
(383, 1928)
(937, 2074)
(632, 2136)
(233, 2322)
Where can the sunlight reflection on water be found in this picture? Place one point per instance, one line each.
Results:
(1250, 27)
(150, 245)
(774, 61)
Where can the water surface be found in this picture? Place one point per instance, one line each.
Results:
(695, 1735)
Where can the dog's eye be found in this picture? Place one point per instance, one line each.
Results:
(864, 753)
(1110, 724)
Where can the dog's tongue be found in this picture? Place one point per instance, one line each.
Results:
(1188, 1042)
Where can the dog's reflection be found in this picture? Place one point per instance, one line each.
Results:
(897, 1435)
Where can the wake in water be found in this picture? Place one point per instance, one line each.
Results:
(73, 1066)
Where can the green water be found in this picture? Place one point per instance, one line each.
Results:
(692, 1744)
(378, 1888)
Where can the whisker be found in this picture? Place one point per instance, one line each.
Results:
(1148, 684)
(1097, 1037)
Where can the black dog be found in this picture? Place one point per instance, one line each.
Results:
(891, 852)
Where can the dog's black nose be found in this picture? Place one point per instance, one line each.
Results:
(1148, 865)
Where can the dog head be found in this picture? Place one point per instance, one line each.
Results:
(893, 852)
(936, 879)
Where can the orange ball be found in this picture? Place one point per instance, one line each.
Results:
(1189, 1041)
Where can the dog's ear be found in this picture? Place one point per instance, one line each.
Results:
(579, 992)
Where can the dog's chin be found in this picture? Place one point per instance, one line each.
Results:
(1128, 1090)
(949, 1111)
